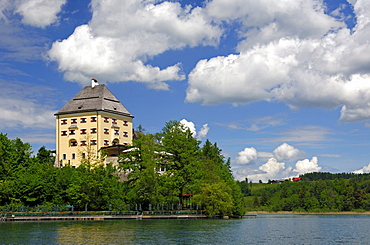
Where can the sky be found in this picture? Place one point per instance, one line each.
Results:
(282, 87)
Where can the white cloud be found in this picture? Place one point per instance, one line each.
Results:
(39, 13)
(272, 169)
(293, 53)
(307, 166)
(122, 36)
(202, 132)
(190, 126)
(365, 169)
(287, 153)
(24, 105)
(248, 155)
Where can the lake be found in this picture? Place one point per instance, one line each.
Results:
(264, 229)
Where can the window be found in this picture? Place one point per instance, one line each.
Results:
(125, 134)
(125, 123)
(116, 131)
(83, 142)
(83, 120)
(64, 156)
(83, 155)
(115, 142)
(73, 143)
(63, 121)
(114, 120)
(106, 142)
(64, 133)
(73, 155)
(83, 131)
(93, 130)
(106, 130)
(72, 132)
(92, 119)
(93, 142)
(73, 120)
(106, 119)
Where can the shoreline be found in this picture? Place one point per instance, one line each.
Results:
(310, 213)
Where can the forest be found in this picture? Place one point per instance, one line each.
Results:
(191, 169)
(318, 192)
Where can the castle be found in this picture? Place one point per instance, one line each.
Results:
(93, 120)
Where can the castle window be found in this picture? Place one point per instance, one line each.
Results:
(83, 120)
(72, 132)
(106, 119)
(106, 130)
(93, 130)
(83, 142)
(125, 123)
(64, 133)
(93, 142)
(125, 134)
(73, 120)
(73, 143)
(92, 119)
(83, 131)
(106, 142)
(73, 155)
(63, 121)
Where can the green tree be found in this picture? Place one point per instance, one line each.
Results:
(184, 168)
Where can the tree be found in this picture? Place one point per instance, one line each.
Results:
(183, 148)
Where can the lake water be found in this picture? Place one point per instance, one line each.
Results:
(265, 229)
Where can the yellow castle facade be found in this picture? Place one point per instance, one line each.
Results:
(93, 120)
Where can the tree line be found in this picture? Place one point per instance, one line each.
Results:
(323, 195)
(168, 167)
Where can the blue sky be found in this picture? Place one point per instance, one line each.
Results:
(283, 87)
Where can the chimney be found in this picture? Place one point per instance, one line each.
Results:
(94, 82)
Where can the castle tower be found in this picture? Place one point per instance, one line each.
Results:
(92, 120)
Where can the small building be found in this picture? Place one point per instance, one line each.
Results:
(92, 120)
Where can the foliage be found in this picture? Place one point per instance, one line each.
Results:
(160, 169)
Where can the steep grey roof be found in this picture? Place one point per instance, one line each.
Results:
(97, 98)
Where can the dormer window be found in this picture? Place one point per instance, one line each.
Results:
(73, 120)
(83, 120)
(106, 119)
(63, 121)
(92, 119)
(125, 123)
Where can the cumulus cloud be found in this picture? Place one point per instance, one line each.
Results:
(307, 166)
(287, 153)
(291, 52)
(202, 132)
(365, 169)
(122, 36)
(38, 13)
(248, 155)
(272, 169)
